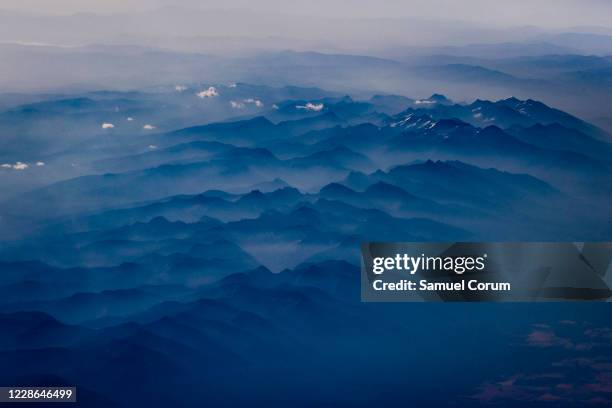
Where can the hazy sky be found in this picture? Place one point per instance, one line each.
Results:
(542, 13)
(345, 26)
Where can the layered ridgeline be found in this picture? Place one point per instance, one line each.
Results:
(148, 229)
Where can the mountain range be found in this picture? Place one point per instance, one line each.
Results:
(207, 236)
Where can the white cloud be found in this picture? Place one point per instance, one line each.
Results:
(152, 147)
(424, 102)
(40, 163)
(252, 101)
(20, 166)
(208, 93)
(180, 88)
(256, 102)
(233, 85)
(107, 126)
(148, 127)
(130, 119)
(17, 166)
(318, 107)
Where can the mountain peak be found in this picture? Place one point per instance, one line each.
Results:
(511, 101)
(441, 99)
(253, 195)
(336, 189)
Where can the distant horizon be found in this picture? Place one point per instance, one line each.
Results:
(544, 13)
(331, 26)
